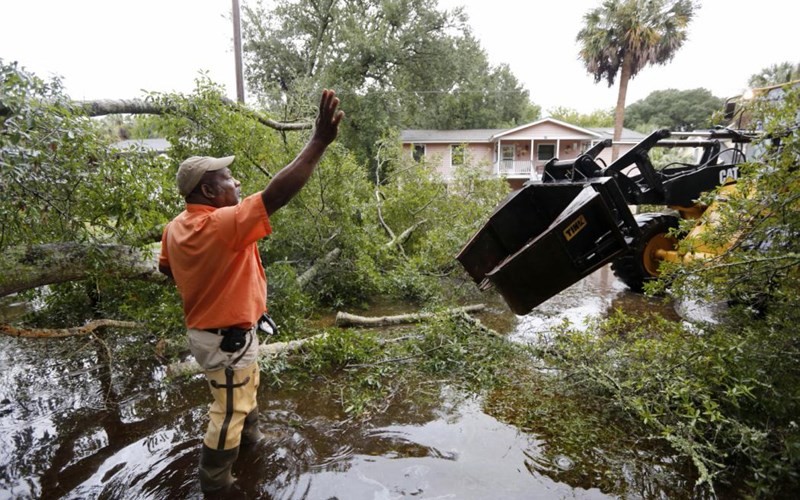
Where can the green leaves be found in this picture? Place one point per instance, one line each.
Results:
(677, 110)
(59, 179)
(775, 74)
(394, 64)
(724, 397)
(637, 32)
(757, 223)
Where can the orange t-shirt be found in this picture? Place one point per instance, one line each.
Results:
(214, 259)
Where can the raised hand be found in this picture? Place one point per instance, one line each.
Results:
(326, 126)
(291, 178)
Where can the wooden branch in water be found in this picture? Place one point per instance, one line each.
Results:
(188, 368)
(479, 325)
(76, 331)
(346, 319)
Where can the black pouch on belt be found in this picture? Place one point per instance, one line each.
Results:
(233, 339)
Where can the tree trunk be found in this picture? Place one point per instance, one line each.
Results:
(31, 266)
(619, 112)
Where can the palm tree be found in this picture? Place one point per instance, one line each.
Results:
(623, 36)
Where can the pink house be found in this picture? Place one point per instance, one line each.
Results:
(517, 154)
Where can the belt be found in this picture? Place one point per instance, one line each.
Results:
(234, 339)
(226, 331)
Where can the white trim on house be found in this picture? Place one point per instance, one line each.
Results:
(544, 120)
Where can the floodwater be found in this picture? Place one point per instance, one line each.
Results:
(72, 427)
(594, 296)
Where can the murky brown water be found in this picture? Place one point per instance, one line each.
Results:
(72, 428)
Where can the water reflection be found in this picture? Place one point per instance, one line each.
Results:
(70, 430)
(455, 453)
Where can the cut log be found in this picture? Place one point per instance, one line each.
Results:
(344, 319)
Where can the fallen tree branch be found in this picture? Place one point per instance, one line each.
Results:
(101, 107)
(378, 204)
(344, 319)
(76, 331)
(305, 278)
(399, 240)
(461, 313)
(47, 264)
(478, 324)
(37, 265)
(188, 368)
(394, 360)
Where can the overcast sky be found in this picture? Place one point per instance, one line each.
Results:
(119, 49)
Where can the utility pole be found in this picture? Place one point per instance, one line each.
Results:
(237, 50)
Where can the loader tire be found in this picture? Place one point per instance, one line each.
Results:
(640, 265)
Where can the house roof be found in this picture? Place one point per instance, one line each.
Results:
(491, 135)
(449, 136)
(576, 128)
(158, 145)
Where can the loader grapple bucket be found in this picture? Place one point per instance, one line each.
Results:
(546, 237)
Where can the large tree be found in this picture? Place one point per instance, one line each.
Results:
(597, 118)
(80, 216)
(673, 109)
(398, 64)
(622, 37)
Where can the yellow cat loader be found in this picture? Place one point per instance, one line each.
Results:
(548, 235)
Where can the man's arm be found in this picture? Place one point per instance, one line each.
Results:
(163, 259)
(166, 270)
(291, 178)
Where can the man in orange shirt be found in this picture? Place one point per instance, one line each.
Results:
(210, 251)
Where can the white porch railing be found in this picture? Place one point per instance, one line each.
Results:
(515, 168)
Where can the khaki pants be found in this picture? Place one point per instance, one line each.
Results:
(233, 380)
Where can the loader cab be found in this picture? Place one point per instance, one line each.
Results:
(739, 111)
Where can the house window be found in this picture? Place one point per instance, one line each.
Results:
(545, 151)
(419, 152)
(456, 155)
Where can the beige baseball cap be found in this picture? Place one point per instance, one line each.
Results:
(193, 168)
